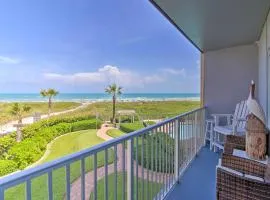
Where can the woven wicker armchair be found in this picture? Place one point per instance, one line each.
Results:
(239, 178)
(234, 142)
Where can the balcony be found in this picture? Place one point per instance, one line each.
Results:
(146, 164)
(199, 180)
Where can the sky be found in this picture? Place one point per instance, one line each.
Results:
(84, 45)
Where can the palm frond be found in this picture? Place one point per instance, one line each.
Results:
(18, 109)
(43, 93)
(50, 92)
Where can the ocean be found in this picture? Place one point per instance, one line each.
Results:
(95, 97)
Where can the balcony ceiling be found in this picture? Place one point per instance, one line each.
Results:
(216, 24)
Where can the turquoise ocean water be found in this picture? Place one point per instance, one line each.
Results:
(84, 97)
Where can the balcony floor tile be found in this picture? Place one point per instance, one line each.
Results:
(199, 180)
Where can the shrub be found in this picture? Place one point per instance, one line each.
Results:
(85, 124)
(7, 166)
(37, 136)
(30, 130)
(164, 162)
(26, 152)
(130, 127)
(5, 143)
(149, 123)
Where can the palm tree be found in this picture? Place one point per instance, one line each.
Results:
(18, 110)
(50, 93)
(114, 90)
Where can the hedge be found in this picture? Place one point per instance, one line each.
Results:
(36, 138)
(27, 152)
(162, 145)
(31, 130)
(31, 149)
(7, 167)
(85, 124)
(130, 127)
(5, 143)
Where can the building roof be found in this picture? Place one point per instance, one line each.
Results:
(126, 112)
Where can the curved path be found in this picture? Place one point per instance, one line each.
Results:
(102, 132)
(89, 177)
(9, 127)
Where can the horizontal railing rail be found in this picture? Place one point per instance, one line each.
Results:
(155, 157)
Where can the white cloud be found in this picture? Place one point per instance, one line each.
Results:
(8, 60)
(107, 74)
(172, 71)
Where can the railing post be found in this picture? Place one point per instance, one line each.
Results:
(2, 193)
(203, 125)
(130, 174)
(176, 150)
(196, 131)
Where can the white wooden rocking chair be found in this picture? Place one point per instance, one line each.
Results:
(235, 124)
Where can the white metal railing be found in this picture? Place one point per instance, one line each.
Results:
(145, 164)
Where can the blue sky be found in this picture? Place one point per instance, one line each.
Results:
(83, 45)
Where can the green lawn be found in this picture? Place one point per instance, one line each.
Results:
(41, 107)
(150, 188)
(73, 142)
(115, 133)
(67, 144)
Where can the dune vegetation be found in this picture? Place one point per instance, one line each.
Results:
(146, 110)
(41, 107)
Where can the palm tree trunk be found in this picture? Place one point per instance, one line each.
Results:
(19, 131)
(49, 106)
(19, 134)
(114, 100)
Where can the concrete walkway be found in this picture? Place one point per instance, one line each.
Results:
(89, 177)
(9, 127)
(102, 132)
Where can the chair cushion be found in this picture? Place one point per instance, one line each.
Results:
(229, 169)
(267, 173)
(228, 130)
(256, 178)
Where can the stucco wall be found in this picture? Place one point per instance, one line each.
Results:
(262, 86)
(228, 73)
(264, 71)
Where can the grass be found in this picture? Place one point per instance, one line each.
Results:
(41, 107)
(146, 190)
(146, 110)
(64, 145)
(115, 133)
(72, 142)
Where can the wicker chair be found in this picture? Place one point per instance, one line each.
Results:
(240, 178)
(234, 142)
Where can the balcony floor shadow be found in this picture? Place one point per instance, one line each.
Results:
(199, 180)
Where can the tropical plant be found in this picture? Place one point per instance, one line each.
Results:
(19, 110)
(113, 90)
(50, 93)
